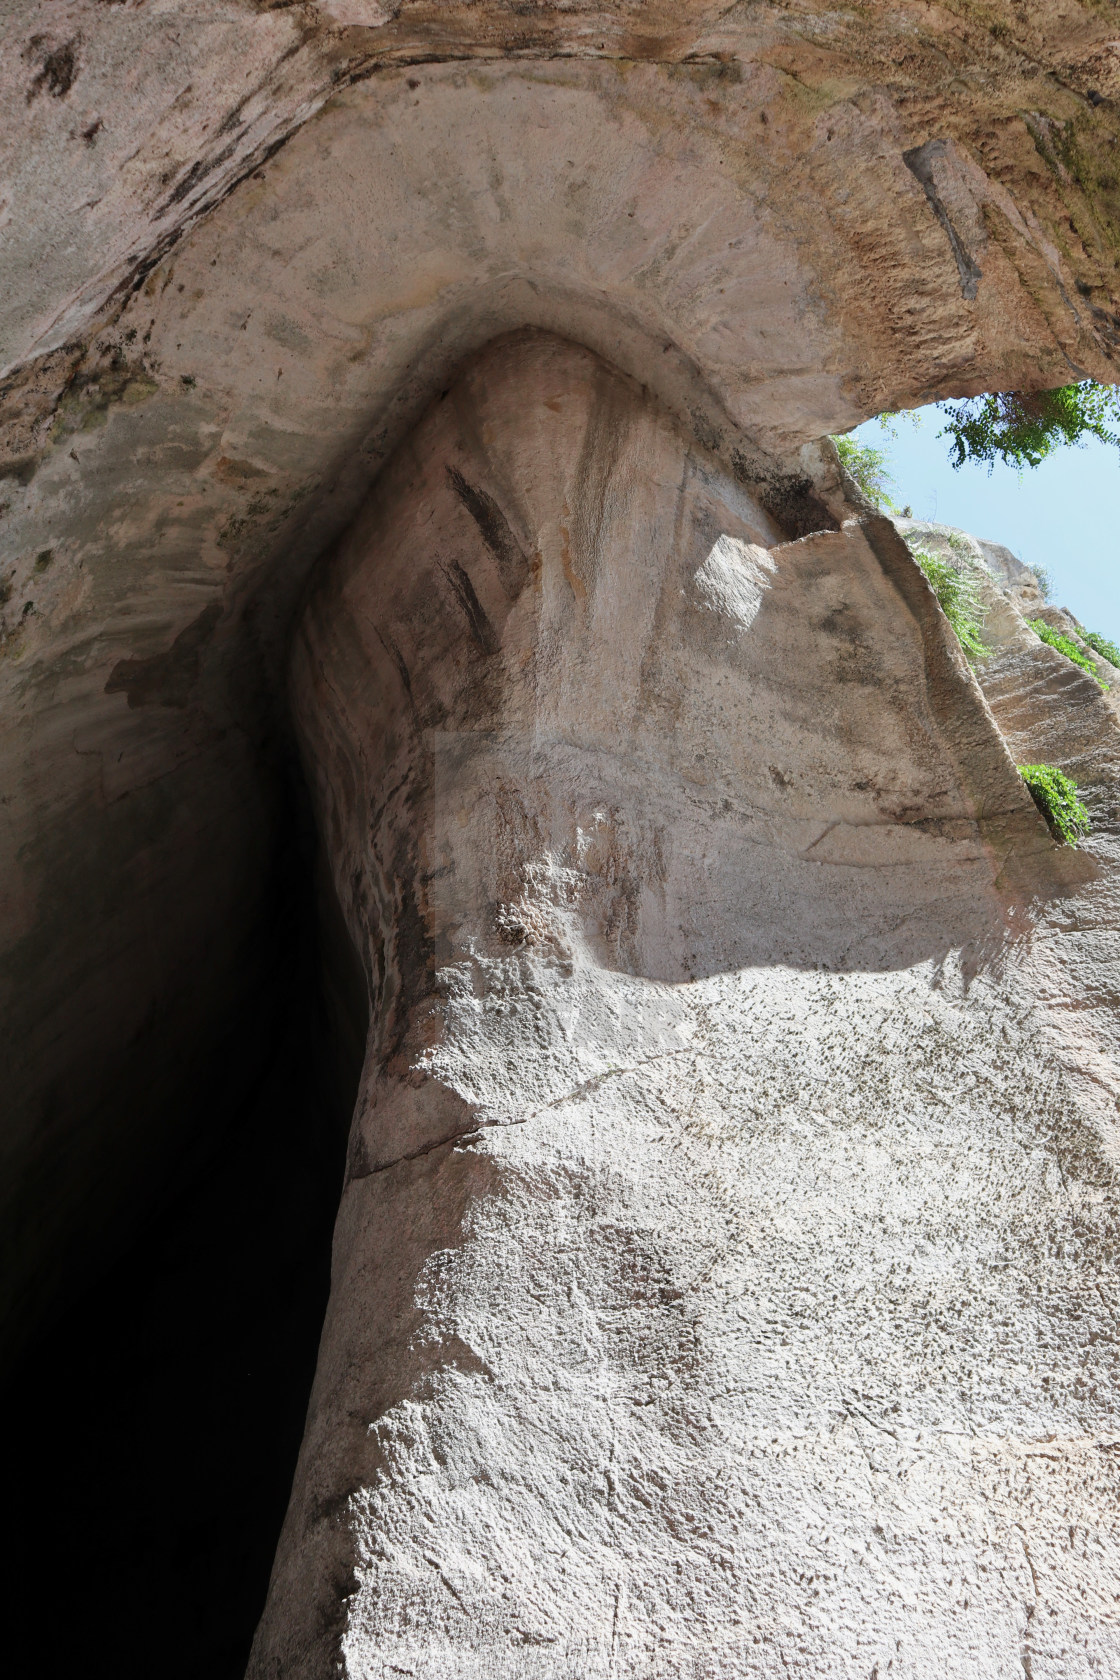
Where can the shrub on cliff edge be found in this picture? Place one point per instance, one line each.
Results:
(868, 466)
(1101, 644)
(1055, 639)
(1056, 797)
(959, 599)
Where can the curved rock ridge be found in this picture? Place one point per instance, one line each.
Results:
(127, 122)
(724, 1276)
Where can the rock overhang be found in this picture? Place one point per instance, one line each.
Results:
(241, 303)
(758, 216)
(775, 221)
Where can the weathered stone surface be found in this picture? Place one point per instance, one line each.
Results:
(129, 121)
(246, 247)
(724, 1276)
(212, 345)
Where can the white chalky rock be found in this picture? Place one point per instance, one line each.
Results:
(723, 1281)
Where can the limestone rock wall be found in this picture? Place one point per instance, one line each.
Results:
(724, 1277)
(1051, 712)
(245, 245)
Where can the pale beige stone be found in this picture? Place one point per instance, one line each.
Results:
(774, 1025)
(722, 1281)
(212, 351)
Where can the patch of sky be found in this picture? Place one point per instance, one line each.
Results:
(1063, 515)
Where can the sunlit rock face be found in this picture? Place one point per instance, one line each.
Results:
(719, 1285)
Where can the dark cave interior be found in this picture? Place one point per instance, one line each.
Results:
(152, 1427)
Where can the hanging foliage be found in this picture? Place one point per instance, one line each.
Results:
(1057, 798)
(1021, 428)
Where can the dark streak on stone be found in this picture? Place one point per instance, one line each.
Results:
(397, 657)
(232, 119)
(919, 161)
(167, 241)
(166, 679)
(58, 67)
(481, 628)
(470, 1133)
(495, 530)
(197, 172)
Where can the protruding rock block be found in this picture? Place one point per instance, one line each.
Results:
(719, 1286)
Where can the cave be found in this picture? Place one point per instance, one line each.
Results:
(155, 1406)
(561, 1094)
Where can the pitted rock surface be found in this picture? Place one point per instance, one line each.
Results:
(723, 1270)
(724, 1277)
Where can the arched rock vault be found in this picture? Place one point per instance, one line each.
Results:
(767, 222)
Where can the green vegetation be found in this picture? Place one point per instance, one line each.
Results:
(868, 467)
(958, 596)
(1021, 428)
(1101, 644)
(892, 418)
(1043, 579)
(1056, 797)
(1054, 639)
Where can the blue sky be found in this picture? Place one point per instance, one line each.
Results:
(1064, 515)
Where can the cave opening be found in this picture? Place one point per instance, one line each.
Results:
(152, 1425)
